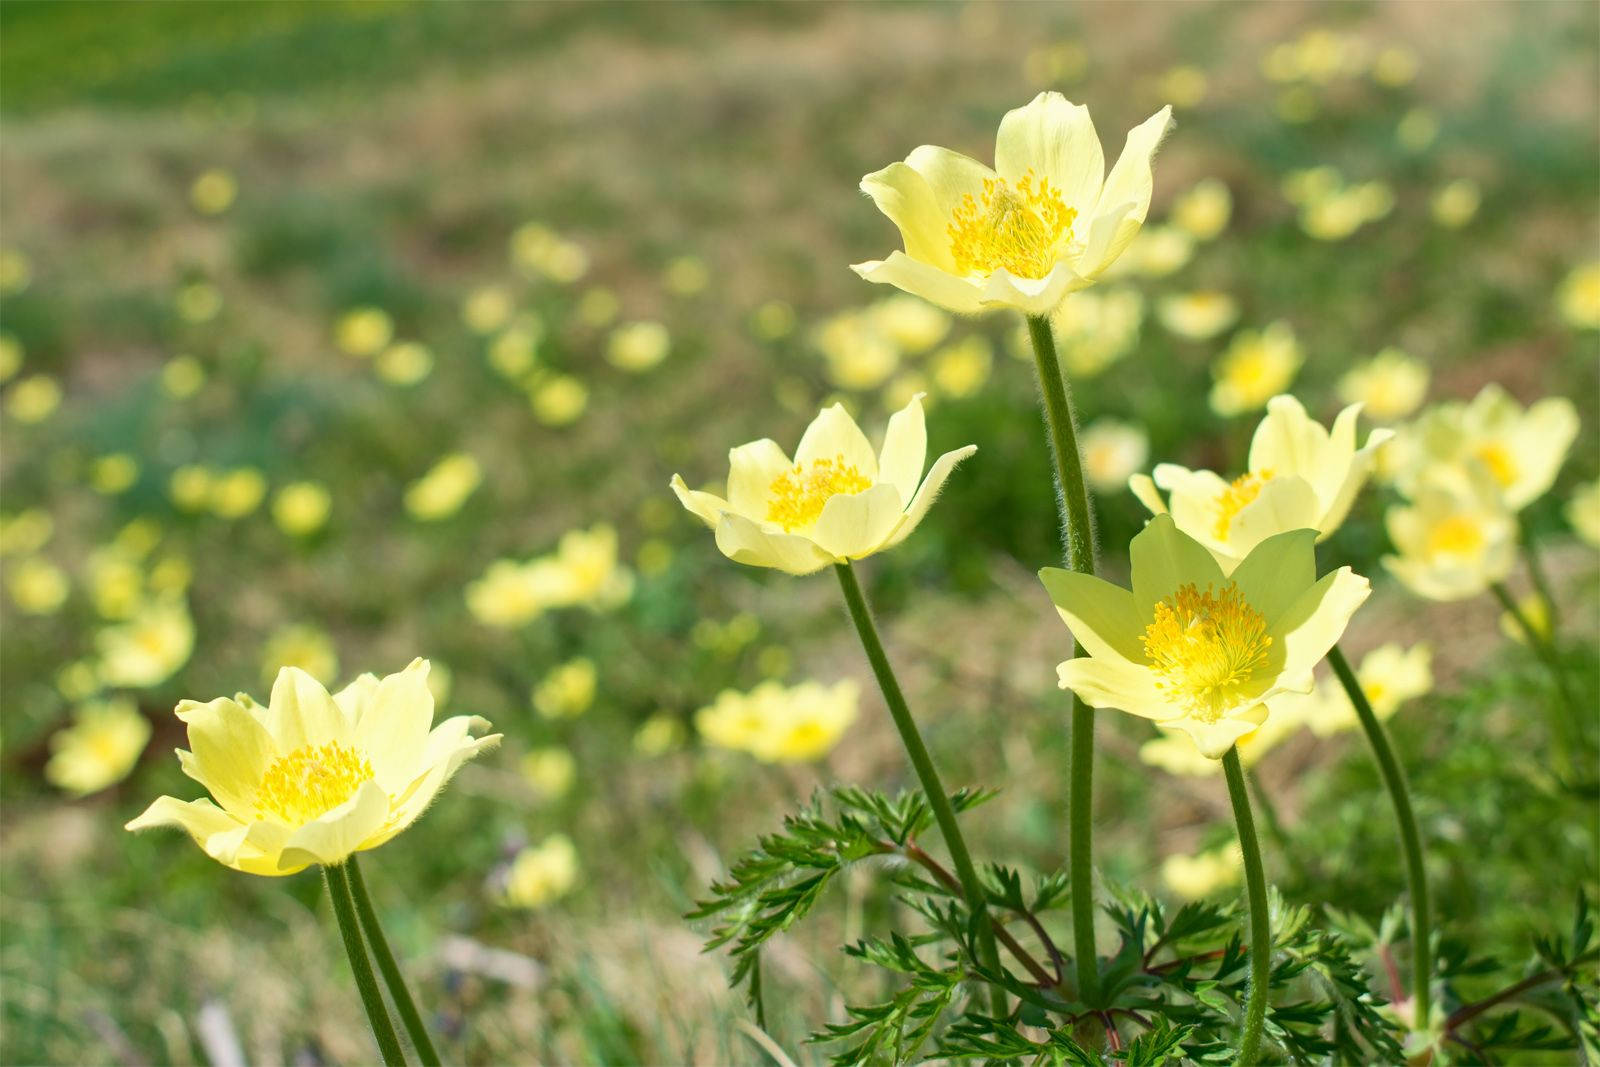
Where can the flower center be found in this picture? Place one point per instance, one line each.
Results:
(796, 497)
(311, 781)
(1457, 535)
(1018, 228)
(1205, 647)
(1497, 459)
(1232, 500)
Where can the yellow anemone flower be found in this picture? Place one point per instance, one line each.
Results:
(778, 723)
(1389, 675)
(1196, 650)
(1193, 877)
(1204, 210)
(1112, 451)
(567, 691)
(1454, 540)
(314, 778)
(1583, 512)
(1391, 385)
(1579, 297)
(99, 748)
(148, 648)
(1046, 221)
(1521, 449)
(1199, 315)
(835, 501)
(1300, 476)
(301, 508)
(1257, 366)
(542, 873)
(440, 492)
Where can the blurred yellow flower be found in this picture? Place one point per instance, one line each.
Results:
(598, 307)
(539, 252)
(638, 346)
(654, 557)
(139, 537)
(1258, 365)
(1199, 315)
(559, 400)
(33, 399)
(38, 587)
(773, 320)
(960, 369)
(1417, 130)
(1394, 66)
(148, 648)
(16, 270)
(213, 192)
(440, 493)
(1093, 330)
(1194, 877)
(1046, 221)
(912, 325)
(487, 309)
(1196, 650)
(238, 492)
(1204, 210)
(27, 531)
(10, 357)
(585, 571)
(363, 331)
(116, 583)
(542, 874)
(182, 376)
(113, 473)
(511, 594)
(1389, 675)
(1174, 753)
(686, 275)
(1583, 512)
(190, 486)
(98, 750)
(77, 680)
(1454, 540)
(1156, 252)
(1300, 476)
(301, 508)
(858, 353)
(780, 724)
(1184, 85)
(835, 501)
(551, 770)
(1536, 610)
(171, 574)
(1579, 298)
(567, 691)
(313, 778)
(406, 363)
(198, 302)
(1113, 451)
(1455, 203)
(514, 351)
(1390, 385)
(1520, 449)
(303, 646)
(658, 735)
(901, 390)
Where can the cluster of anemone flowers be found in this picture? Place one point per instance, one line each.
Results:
(1225, 638)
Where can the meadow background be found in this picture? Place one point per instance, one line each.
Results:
(247, 246)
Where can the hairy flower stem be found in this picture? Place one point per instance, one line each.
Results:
(361, 967)
(1394, 776)
(1077, 527)
(938, 799)
(404, 1005)
(1567, 733)
(1255, 881)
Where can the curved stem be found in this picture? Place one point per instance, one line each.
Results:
(922, 763)
(1568, 735)
(1394, 777)
(1255, 1012)
(361, 967)
(1077, 528)
(404, 1005)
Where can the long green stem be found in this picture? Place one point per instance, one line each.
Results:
(938, 799)
(1077, 527)
(392, 977)
(1568, 734)
(1255, 881)
(1530, 553)
(1394, 777)
(361, 967)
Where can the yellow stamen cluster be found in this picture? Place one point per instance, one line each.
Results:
(1497, 459)
(796, 497)
(1020, 228)
(1232, 500)
(1205, 646)
(311, 781)
(1457, 535)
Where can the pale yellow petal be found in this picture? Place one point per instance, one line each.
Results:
(353, 698)
(951, 176)
(1055, 139)
(1275, 574)
(231, 750)
(1282, 504)
(393, 728)
(302, 713)
(1164, 558)
(905, 197)
(707, 507)
(331, 838)
(1100, 615)
(936, 286)
(928, 493)
(1130, 180)
(1317, 619)
(1114, 683)
(1144, 491)
(752, 468)
(1039, 297)
(1215, 738)
(853, 525)
(742, 541)
(905, 449)
(834, 435)
(408, 807)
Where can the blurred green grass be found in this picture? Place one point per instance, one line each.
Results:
(386, 152)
